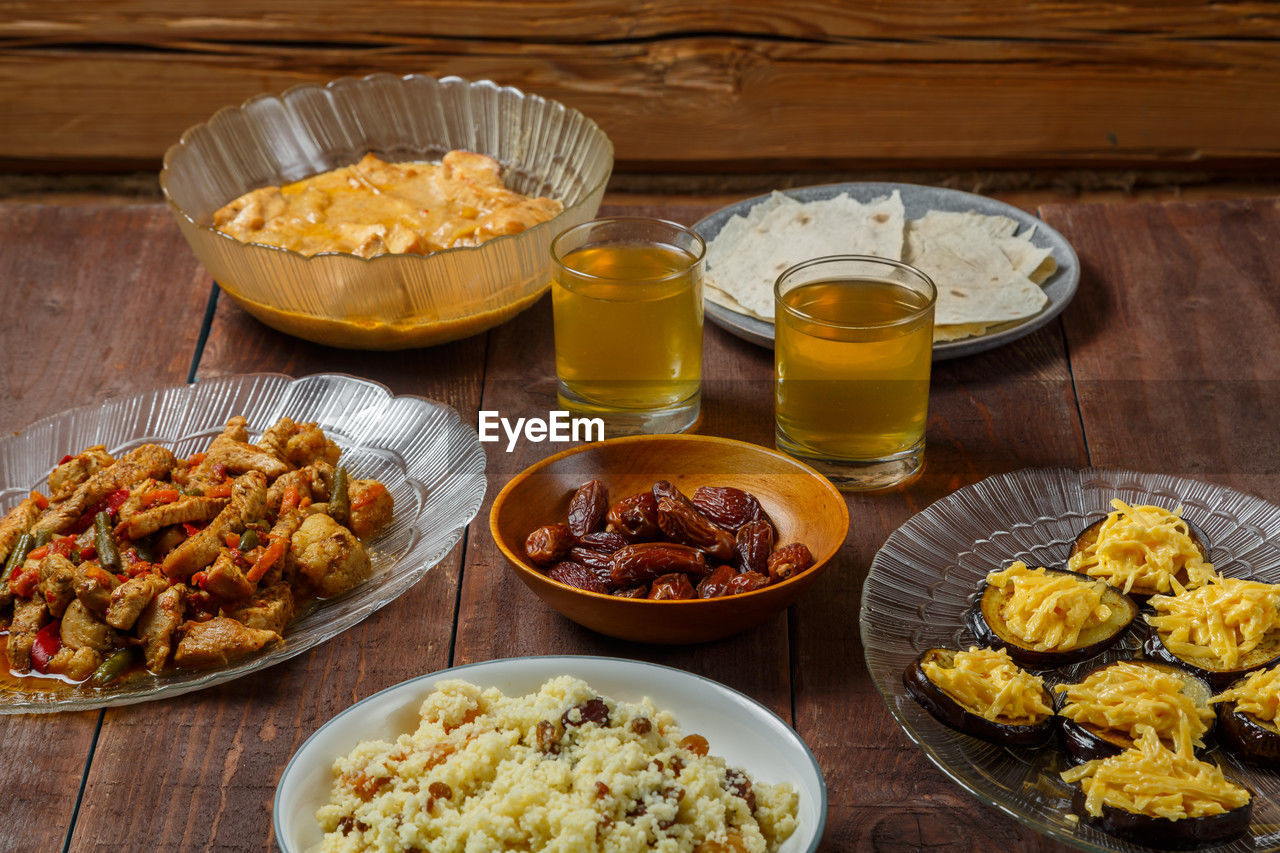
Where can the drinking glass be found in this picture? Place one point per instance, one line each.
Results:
(627, 298)
(852, 353)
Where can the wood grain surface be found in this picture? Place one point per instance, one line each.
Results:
(720, 83)
(1167, 360)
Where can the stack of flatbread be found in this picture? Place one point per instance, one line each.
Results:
(986, 273)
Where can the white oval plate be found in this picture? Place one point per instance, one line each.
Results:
(430, 460)
(739, 729)
(918, 200)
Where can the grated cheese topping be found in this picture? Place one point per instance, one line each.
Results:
(1048, 611)
(1258, 695)
(1224, 620)
(989, 683)
(1133, 698)
(1152, 780)
(1144, 547)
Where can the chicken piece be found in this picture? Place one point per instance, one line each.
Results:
(248, 501)
(157, 623)
(469, 165)
(234, 454)
(29, 616)
(149, 460)
(57, 583)
(225, 580)
(16, 522)
(234, 430)
(93, 586)
(168, 539)
(269, 610)
(276, 438)
(371, 507)
(183, 510)
(75, 664)
(219, 641)
(300, 480)
(131, 598)
(81, 629)
(133, 504)
(70, 474)
(328, 556)
(310, 444)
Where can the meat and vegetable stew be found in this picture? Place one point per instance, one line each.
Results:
(148, 559)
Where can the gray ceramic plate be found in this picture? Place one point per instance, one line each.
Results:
(923, 579)
(918, 200)
(430, 460)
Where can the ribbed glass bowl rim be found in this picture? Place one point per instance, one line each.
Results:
(342, 82)
(374, 600)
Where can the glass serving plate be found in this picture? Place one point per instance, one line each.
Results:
(924, 579)
(431, 462)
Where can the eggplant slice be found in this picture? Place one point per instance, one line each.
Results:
(1086, 742)
(1089, 535)
(1219, 676)
(949, 712)
(988, 625)
(1256, 741)
(1188, 833)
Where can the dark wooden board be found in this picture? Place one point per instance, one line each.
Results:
(79, 325)
(1175, 338)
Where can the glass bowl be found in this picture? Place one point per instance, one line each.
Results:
(388, 301)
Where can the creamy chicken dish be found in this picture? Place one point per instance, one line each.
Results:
(374, 208)
(152, 560)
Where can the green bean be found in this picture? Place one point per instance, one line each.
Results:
(112, 668)
(249, 540)
(339, 503)
(103, 541)
(146, 552)
(25, 545)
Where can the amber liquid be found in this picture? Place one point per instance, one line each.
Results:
(629, 329)
(853, 374)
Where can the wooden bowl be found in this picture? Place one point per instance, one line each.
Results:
(804, 506)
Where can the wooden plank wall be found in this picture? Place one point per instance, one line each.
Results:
(725, 84)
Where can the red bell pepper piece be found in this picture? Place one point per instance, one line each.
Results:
(41, 501)
(160, 496)
(64, 460)
(115, 500)
(22, 584)
(46, 645)
(191, 529)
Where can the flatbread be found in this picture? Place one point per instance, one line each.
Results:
(749, 253)
(980, 267)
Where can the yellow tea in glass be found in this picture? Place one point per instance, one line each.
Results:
(853, 348)
(627, 300)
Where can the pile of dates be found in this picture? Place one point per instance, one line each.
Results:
(663, 545)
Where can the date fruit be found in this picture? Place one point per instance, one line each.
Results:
(634, 592)
(645, 562)
(681, 522)
(716, 584)
(588, 508)
(789, 560)
(602, 541)
(674, 587)
(747, 582)
(728, 507)
(754, 544)
(635, 518)
(576, 575)
(548, 544)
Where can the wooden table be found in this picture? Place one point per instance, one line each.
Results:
(1166, 361)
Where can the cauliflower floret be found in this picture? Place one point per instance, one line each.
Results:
(328, 556)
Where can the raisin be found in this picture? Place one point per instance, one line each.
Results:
(753, 545)
(673, 587)
(602, 790)
(737, 782)
(591, 711)
(346, 825)
(548, 740)
(789, 560)
(588, 508)
(728, 507)
(696, 744)
(641, 725)
(548, 544)
(440, 791)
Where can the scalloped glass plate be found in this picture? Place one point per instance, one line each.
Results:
(740, 730)
(421, 450)
(923, 580)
